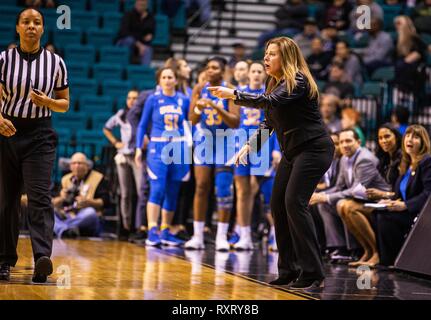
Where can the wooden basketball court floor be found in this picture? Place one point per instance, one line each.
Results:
(113, 270)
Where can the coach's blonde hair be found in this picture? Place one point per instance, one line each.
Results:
(292, 62)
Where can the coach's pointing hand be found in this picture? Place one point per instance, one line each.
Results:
(222, 92)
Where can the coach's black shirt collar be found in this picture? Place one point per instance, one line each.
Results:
(29, 56)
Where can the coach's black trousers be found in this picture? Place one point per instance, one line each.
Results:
(295, 182)
(26, 162)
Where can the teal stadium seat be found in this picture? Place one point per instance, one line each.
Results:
(371, 88)
(383, 74)
(93, 103)
(100, 37)
(80, 53)
(161, 36)
(389, 14)
(315, 9)
(103, 71)
(65, 37)
(78, 69)
(74, 121)
(142, 77)
(320, 84)
(105, 5)
(85, 19)
(112, 54)
(8, 13)
(116, 88)
(11, 3)
(426, 37)
(179, 21)
(7, 32)
(76, 4)
(50, 17)
(98, 120)
(112, 20)
(82, 86)
(91, 142)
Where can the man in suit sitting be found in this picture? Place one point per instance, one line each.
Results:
(358, 170)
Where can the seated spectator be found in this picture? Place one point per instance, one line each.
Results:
(137, 31)
(304, 38)
(328, 108)
(375, 9)
(238, 54)
(201, 6)
(410, 57)
(81, 201)
(290, 20)
(351, 62)
(380, 47)
(412, 190)
(337, 15)
(350, 119)
(129, 174)
(354, 214)
(319, 60)
(328, 181)
(338, 83)
(330, 177)
(357, 166)
(421, 16)
(400, 119)
(389, 154)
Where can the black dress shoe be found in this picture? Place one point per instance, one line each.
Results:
(284, 279)
(5, 272)
(304, 284)
(42, 269)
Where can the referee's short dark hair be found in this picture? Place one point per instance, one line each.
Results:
(29, 8)
(355, 134)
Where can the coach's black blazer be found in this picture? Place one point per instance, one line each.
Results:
(295, 117)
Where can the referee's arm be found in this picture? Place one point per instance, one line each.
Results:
(59, 104)
(7, 129)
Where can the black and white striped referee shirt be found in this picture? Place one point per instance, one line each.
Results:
(20, 72)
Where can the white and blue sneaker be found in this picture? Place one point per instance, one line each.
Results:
(233, 239)
(169, 239)
(153, 237)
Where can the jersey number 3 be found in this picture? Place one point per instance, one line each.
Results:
(213, 118)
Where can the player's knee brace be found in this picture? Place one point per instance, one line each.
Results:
(171, 195)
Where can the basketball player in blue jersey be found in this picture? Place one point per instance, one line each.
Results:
(240, 74)
(248, 177)
(166, 110)
(183, 70)
(211, 114)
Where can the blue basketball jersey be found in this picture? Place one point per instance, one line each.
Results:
(210, 119)
(166, 114)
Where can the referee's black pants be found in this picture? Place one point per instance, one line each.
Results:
(294, 183)
(26, 162)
